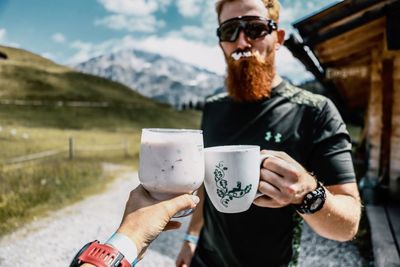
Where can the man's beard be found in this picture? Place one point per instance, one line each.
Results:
(250, 80)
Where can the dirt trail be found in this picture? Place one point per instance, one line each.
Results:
(56, 238)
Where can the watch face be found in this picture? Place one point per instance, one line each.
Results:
(316, 204)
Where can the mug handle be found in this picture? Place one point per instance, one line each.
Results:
(262, 158)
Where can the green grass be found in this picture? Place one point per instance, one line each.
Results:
(30, 192)
(97, 118)
(52, 183)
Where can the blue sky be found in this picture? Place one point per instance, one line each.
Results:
(72, 31)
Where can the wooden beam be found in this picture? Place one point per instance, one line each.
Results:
(311, 41)
(393, 27)
(368, 30)
(361, 61)
(383, 243)
(327, 16)
(387, 107)
(351, 46)
(374, 119)
(395, 135)
(361, 55)
(351, 42)
(352, 17)
(350, 51)
(394, 220)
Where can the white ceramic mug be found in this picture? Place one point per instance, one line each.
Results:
(232, 175)
(171, 161)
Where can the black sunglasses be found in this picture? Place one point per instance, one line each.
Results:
(253, 26)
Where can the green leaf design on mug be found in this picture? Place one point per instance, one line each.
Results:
(223, 192)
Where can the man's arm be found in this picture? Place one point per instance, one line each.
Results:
(285, 182)
(187, 251)
(339, 218)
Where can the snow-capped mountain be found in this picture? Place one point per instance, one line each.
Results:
(162, 78)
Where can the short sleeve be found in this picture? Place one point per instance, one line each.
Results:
(330, 159)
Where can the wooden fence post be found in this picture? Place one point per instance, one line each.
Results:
(71, 148)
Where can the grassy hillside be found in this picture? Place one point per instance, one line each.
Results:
(36, 116)
(26, 76)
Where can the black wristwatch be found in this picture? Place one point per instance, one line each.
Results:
(313, 201)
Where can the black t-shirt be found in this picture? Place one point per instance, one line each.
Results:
(308, 128)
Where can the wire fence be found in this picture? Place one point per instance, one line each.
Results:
(70, 151)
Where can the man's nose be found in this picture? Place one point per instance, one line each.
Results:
(242, 42)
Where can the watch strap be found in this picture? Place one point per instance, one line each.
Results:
(125, 245)
(313, 201)
(100, 255)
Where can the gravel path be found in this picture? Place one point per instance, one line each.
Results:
(56, 238)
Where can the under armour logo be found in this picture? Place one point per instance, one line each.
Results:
(268, 136)
(277, 138)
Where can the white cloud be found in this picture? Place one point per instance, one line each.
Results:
(85, 52)
(58, 37)
(290, 67)
(133, 15)
(4, 40)
(204, 32)
(198, 54)
(195, 53)
(131, 23)
(293, 11)
(189, 8)
(134, 7)
(195, 33)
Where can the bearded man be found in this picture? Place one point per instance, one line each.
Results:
(310, 174)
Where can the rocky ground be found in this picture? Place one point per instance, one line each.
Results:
(55, 239)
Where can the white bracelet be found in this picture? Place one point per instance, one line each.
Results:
(191, 239)
(125, 245)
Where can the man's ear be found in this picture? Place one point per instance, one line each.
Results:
(281, 38)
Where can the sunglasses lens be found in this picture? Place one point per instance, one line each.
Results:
(256, 30)
(253, 27)
(229, 31)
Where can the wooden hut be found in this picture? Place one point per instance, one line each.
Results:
(353, 47)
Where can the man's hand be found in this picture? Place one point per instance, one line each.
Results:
(145, 218)
(185, 255)
(283, 181)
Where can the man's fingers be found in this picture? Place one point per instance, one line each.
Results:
(278, 154)
(268, 189)
(283, 166)
(265, 201)
(272, 178)
(180, 203)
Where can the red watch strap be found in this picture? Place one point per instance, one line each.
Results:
(102, 255)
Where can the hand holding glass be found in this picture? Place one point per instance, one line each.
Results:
(171, 162)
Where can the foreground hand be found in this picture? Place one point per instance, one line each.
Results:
(185, 255)
(145, 218)
(283, 181)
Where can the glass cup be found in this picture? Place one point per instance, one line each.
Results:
(171, 162)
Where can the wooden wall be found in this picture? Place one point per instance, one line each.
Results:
(395, 139)
(374, 118)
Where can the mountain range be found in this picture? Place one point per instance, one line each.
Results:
(164, 79)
